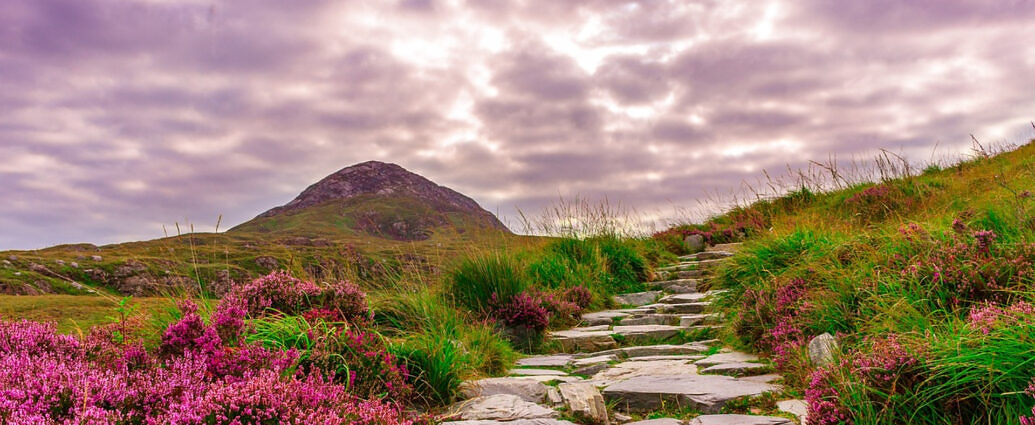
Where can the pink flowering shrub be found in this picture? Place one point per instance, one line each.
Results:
(877, 202)
(562, 313)
(1029, 420)
(578, 295)
(774, 320)
(520, 311)
(743, 223)
(286, 294)
(989, 316)
(360, 360)
(888, 365)
(824, 400)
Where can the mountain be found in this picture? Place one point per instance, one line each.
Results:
(376, 198)
(371, 222)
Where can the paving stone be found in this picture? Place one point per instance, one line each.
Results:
(629, 370)
(691, 274)
(571, 340)
(635, 334)
(685, 308)
(553, 397)
(515, 422)
(637, 298)
(711, 255)
(726, 247)
(602, 317)
(663, 349)
(682, 282)
(732, 357)
(680, 289)
(684, 298)
(585, 400)
(591, 369)
(554, 378)
(736, 368)
(587, 361)
(591, 328)
(527, 389)
(659, 421)
(503, 407)
(651, 319)
(708, 393)
(767, 378)
(696, 319)
(739, 420)
(795, 407)
(686, 357)
(560, 360)
(536, 372)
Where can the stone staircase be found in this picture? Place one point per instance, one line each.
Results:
(649, 358)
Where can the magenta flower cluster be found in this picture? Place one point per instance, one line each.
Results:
(888, 364)
(823, 400)
(286, 294)
(523, 310)
(1030, 420)
(201, 373)
(989, 316)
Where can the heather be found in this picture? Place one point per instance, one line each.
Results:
(219, 369)
(924, 279)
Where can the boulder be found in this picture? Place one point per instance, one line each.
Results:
(267, 262)
(694, 243)
(585, 400)
(822, 349)
(96, 258)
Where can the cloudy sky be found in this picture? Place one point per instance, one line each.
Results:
(119, 116)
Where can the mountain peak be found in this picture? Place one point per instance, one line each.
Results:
(366, 181)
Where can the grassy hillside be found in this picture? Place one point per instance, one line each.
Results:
(925, 279)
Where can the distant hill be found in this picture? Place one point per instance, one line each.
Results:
(376, 198)
(372, 221)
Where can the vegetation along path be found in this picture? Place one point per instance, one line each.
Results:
(650, 363)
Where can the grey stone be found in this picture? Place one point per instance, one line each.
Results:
(766, 379)
(795, 407)
(620, 418)
(96, 258)
(822, 349)
(7, 262)
(739, 420)
(527, 389)
(659, 421)
(585, 400)
(691, 274)
(696, 319)
(686, 357)
(684, 308)
(708, 393)
(12, 257)
(59, 262)
(636, 334)
(602, 317)
(536, 372)
(74, 265)
(591, 370)
(681, 282)
(572, 340)
(736, 368)
(553, 396)
(712, 255)
(587, 361)
(503, 407)
(553, 378)
(684, 298)
(540, 421)
(560, 360)
(267, 262)
(651, 319)
(726, 247)
(694, 243)
(629, 370)
(637, 298)
(732, 357)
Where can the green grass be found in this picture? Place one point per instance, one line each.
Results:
(73, 314)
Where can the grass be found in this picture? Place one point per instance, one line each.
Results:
(73, 314)
(897, 269)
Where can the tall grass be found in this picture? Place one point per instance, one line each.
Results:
(474, 281)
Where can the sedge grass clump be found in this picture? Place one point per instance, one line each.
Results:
(476, 281)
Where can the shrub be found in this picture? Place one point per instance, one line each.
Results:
(281, 293)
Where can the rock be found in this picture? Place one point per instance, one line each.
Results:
(795, 407)
(585, 400)
(503, 407)
(694, 243)
(629, 370)
(59, 262)
(620, 418)
(696, 319)
(591, 370)
(553, 396)
(130, 268)
(685, 308)
(636, 334)
(688, 358)
(712, 255)
(736, 369)
(96, 258)
(588, 361)
(637, 298)
(540, 421)
(527, 389)
(536, 372)
(822, 349)
(267, 262)
(7, 262)
(74, 265)
(693, 283)
(739, 420)
(733, 357)
(651, 319)
(659, 421)
(572, 340)
(708, 393)
(562, 360)
(12, 258)
(684, 298)
(603, 317)
(137, 286)
(553, 378)
(661, 350)
(765, 379)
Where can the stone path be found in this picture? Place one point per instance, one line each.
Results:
(648, 358)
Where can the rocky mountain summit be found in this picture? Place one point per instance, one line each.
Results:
(383, 199)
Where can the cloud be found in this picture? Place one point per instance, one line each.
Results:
(124, 115)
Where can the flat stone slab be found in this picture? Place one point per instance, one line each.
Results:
(536, 372)
(514, 422)
(696, 319)
(527, 389)
(683, 282)
(727, 247)
(572, 340)
(795, 407)
(767, 378)
(707, 255)
(651, 319)
(659, 421)
(731, 357)
(736, 368)
(739, 420)
(708, 393)
(561, 360)
(602, 317)
(585, 400)
(553, 378)
(686, 357)
(680, 289)
(684, 308)
(634, 334)
(502, 407)
(629, 370)
(637, 298)
(684, 298)
(587, 361)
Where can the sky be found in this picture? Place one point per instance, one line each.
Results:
(121, 116)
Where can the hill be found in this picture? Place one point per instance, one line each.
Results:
(371, 220)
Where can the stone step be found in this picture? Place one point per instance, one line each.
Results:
(707, 393)
(692, 348)
(727, 247)
(535, 372)
(585, 341)
(526, 388)
(664, 285)
(653, 319)
(642, 333)
(706, 255)
(637, 298)
(684, 308)
(737, 369)
(685, 298)
(687, 320)
(558, 360)
(605, 317)
(500, 407)
(693, 265)
(735, 419)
